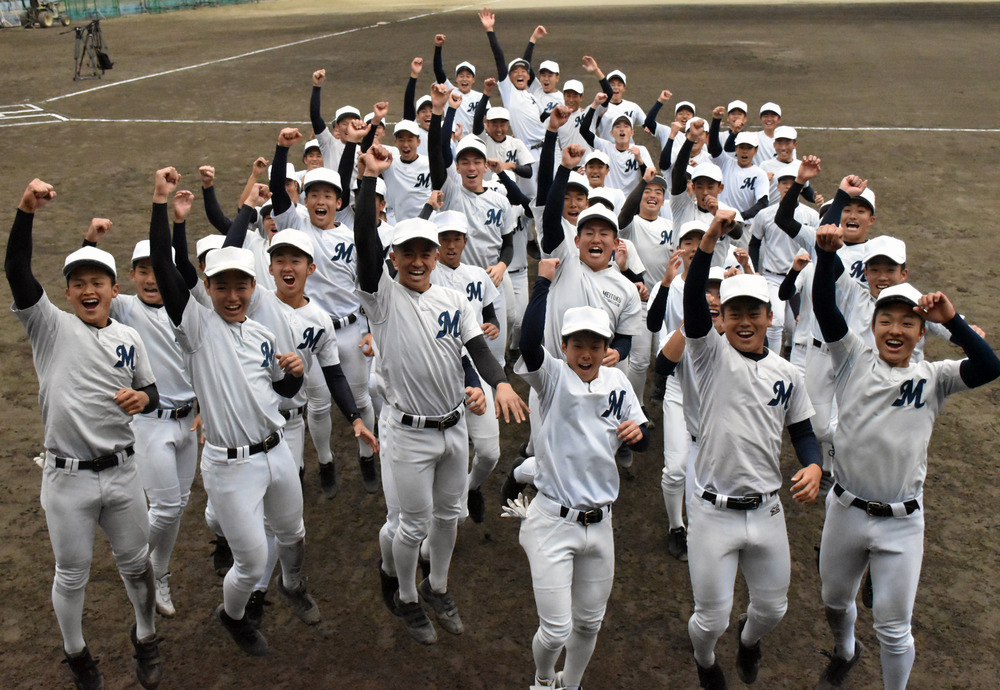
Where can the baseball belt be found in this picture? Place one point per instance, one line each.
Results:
(293, 413)
(346, 321)
(440, 423)
(748, 502)
(876, 508)
(254, 448)
(97, 464)
(174, 412)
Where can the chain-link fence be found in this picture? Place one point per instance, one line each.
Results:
(10, 10)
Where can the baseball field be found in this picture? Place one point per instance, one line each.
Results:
(903, 94)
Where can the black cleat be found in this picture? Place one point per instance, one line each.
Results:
(147, 660)
(222, 557)
(255, 608)
(244, 635)
(677, 543)
(836, 671)
(86, 675)
(747, 658)
(711, 678)
(369, 473)
(417, 623)
(329, 482)
(477, 505)
(390, 585)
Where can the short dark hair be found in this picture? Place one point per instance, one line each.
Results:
(749, 301)
(565, 338)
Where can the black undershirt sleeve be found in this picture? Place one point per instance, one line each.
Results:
(486, 364)
(506, 248)
(490, 315)
(650, 121)
(288, 386)
(784, 218)
(714, 145)
(318, 124)
(787, 289)
(154, 397)
(678, 174)
(471, 377)
(621, 343)
(409, 100)
(446, 129)
(173, 290)
(181, 258)
(759, 206)
(479, 116)
(340, 391)
(346, 172)
(754, 251)
(656, 311)
(366, 240)
(664, 366)
(514, 194)
(665, 162)
(435, 154)
(805, 443)
(697, 317)
(586, 127)
(824, 294)
(546, 164)
(216, 216)
(631, 205)
(439, 75)
(498, 58)
(17, 263)
(982, 365)
(552, 228)
(280, 201)
(533, 325)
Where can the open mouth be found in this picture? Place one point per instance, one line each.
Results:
(595, 251)
(288, 279)
(233, 308)
(882, 286)
(744, 334)
(320, 212)
(894, 344)
(851, 225)
(714, 313)
(90, 303)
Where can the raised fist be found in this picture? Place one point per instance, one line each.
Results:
(36, 195)
(289, 136)
(319, 76)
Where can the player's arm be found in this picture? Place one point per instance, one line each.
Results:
(678, 173)
(439, 74)
(182, 206)
(621, 344)
(294, 369)
(631, 206)
(787, 289)
(587, 124)
(508, 402)
(238, 230)
(590, 64)
(829, 238)
(514, 194)
(173, 288)
(850, 187)
(552, 228)
(315, 103)
(379, 111)
(280, 201)
(347, 162)
(805, 482)
(370, 253)
(216, 216)
(479, 117)
(435, 139)
(697, 317)
(533, 321)
(340, 391)
(490, 316)
(547, 158)
(488, 20)
(529, 51)
(649, 123)
(757, 206)
(410, 92)
(257, 168)
(982, 365)
(714, 144)
(17, 264)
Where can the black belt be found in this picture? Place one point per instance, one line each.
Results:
(340, 323)
(439, 423)
(749, 502)
(97, 464)
(175, 413)
(875, 508)
(818, 343)
(287, 414)
(254, 448)
(584, 517)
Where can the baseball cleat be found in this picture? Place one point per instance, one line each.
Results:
(444, 607)
(712, 678)
(147, 660)
(328, 480)
(86, 675)
(222, 557)
(747, 658)
(417, 623)
(390, 585)
(511, 487)
(477, 505)
(677, 543)
(255, 608)
(302, 602)
(244, 635)
(369, 474)
(836, 671)
(164, 605)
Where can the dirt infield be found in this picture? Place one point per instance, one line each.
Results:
(893, 66)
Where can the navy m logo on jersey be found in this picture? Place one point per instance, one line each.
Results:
(578, 120)
(449, 324)
(631, 165)
(511, 155)
(310, 339)
(616, 401)
(666, 236)
(126, 357)
(475, 291)
(781, 394)
(494, 216)
(268, 352)
(749, 183)
(423, 180)
(910, 393)
(343, 251)
(858, 270)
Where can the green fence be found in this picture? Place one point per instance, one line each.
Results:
(85, 9)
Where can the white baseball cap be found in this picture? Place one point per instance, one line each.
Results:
(549, 66)
(737, 105)
(380, 188)
(415, 228)
(684, 104)
(617, 73)
(598, 156)
(208, 243)
(470, 142)
(744, 285)
(578, 180)
(451, 221)
(574, 85)
(592, 319)
(892, 248)
(785, 132)
(498, 114)
(600, 195)
(346, 111)
(230, 259)
(789, 170)
(325, 175)
(716, 274)
(689, 123)
(369, 117)
(749, 138)
(406, 126)
(709, 170)
(825, 205)
(867, 196)
(311, 144)
(142, 251)
(597, 213)
(772, 107)
(904, 292)
(292, 238)
(691, 227)
(518, 61)
(465, 65)
(290, 173)
(421, 102)
(90, 256)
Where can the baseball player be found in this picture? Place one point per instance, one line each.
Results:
(628, 162)
(567, 533)
(746, 185)
(420, 329)
(888, 404)
(165, 438)
(465, 79)
(545, 82)
(785, 143)
(736, 119)
(331, 286)
(735, 516)
(770, 118)
(617, 106)
(492, 125)
(93, 376)
(247, 468)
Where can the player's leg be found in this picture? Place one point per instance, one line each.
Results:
(503, 306)
(676, 446)
(356, 368)
(449, 496)
(282, 504)
(896, 557)
(843, 557)
(387, 564)
(320, 423)
(766, 566)
(484, 433)
(715, 537)
(638, 359)
(72, 506)
(593, 576)
(820, 385)
(550, 543)
(776, 331)
(519, 280)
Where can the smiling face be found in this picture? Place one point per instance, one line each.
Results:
(683, 115)
(574, 203)
(584, 353)
(322, 202)
(290, 267)
(414, 261)
(744, 322)
(144, 281)
(736, 118)
(769, 120)
(784, 149)
(745, 154)
(519, 77)
(452, 244)
(343, 126)
(230, 292)
(465, 80)
(881, 272)
(313, 159)
(269, 226)
(897, 330)
(549, 80)
(714, 305)
(689, 245)
(652, 202)
(407, 144)
(424, 116)
(497, 129)
(471, 166)
(572, 100)
(856, 220)
(617, 89)
(596, 242)
(89, 291)
(596, 173)
(705, 187)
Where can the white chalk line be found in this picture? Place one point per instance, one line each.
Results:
(254, 52)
